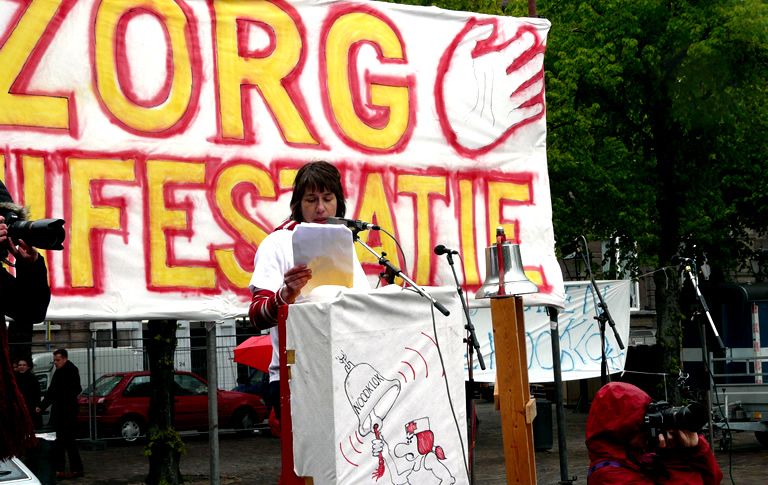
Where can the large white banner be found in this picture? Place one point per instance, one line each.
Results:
(168, 132)
(580, 349)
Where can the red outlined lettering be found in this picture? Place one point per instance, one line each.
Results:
(31, 30)
(272, 71)
(175, 105)
(384, 122)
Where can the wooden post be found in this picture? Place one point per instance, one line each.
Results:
(517, 407)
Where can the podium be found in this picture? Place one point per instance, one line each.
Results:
(373, 371)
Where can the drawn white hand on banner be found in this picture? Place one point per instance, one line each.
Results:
(503, 93)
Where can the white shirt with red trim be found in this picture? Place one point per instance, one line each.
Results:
(273, 258)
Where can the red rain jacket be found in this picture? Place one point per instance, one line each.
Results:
(618, 447)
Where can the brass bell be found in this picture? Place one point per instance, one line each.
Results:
(515, 281)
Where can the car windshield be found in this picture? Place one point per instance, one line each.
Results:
(102, 386)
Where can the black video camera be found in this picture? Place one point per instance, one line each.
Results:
(662, 416)
(42, 233)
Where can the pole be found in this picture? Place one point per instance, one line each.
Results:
(562, 447)
(213, 405)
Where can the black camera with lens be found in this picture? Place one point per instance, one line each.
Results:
(42, 233)
(662, 416)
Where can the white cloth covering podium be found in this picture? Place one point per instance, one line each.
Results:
(369, 400)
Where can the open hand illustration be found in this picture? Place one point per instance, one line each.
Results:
(504, 91)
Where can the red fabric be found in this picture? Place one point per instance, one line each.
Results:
(615, 433)
(263, 309)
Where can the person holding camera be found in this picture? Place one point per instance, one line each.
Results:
(631, 440)
(24, 297)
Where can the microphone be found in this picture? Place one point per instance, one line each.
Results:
(680, 259)
(440, 250)
(353, 224)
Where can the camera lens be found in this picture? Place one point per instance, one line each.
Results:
(43, 233)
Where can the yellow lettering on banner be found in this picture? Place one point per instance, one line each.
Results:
(227, 180)
(467, 228)
(498, 191)
(169, 111)
(29, 109)
(374, 203)
(87, 218)
(393, 101)
(422, 186)
(33, 169)
(265, 71)
(286, 177)
(160, 174)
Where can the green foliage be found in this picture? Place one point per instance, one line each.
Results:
(480, 6)
(168, 439)
(657, 113)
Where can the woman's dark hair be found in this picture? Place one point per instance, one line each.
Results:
(320, 176)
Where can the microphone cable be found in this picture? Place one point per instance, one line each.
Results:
(448, 390)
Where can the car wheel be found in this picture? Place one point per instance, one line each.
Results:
(130, 429)
(245, 419)
(762, 438)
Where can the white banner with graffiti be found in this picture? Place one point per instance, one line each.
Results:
(377, 389)
(580, 353)
(167, 134)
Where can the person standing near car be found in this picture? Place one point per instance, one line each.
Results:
(62, 396)
(30, 389)
(24, 297)
(317, 195)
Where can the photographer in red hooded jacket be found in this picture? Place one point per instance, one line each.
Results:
(623, 449)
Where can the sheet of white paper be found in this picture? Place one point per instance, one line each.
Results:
(328, 251)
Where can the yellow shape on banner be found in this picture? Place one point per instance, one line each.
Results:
(28, 109)
(467, 228)
(237, 67)
(519, 192)
(169, 111)
(160, 175)
(34, 189)
(227, 180)
(2, 168)
(86, 217)
(374, 202)
(390, 101)
(287, 177)
(422, 186)
(34, 198)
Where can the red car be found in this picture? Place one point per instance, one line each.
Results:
(120, 401)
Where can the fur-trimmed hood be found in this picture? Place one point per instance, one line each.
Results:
(7, 205)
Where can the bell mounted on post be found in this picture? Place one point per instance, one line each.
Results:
(504, 257)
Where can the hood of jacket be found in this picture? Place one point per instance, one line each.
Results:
(615, 421)
(7, 204)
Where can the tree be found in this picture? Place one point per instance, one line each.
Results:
(164, 447)
(656, 115)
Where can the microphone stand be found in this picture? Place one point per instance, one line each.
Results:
(472, 345)
(603, 316)
(695, 282)
(472, 342)
(392, 269)
(703, 335)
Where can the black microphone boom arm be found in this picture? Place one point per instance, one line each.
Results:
(396, 271)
